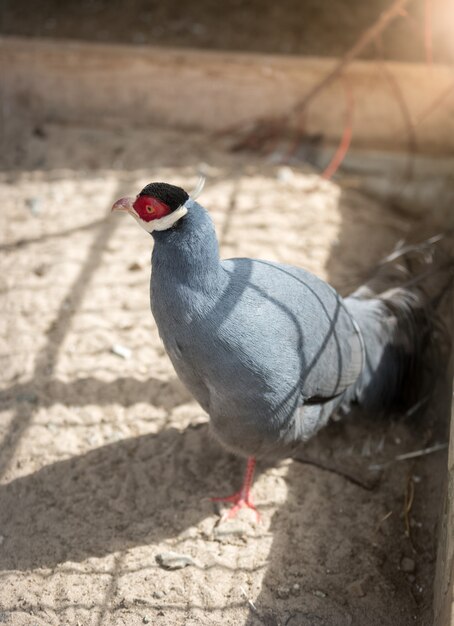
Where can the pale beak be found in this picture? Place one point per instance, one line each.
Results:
(124, 204)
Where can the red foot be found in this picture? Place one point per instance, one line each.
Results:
(239, 502)
(242, 498)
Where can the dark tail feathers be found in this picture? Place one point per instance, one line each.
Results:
(405, 315)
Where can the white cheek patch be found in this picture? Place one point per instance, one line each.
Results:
(163, 223)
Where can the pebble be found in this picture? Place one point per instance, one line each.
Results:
(34, 205)
(122, 351)
(319, 594)
(356, 589)
(283, 592)
(40, 270)
(296, 588)
(134, 267)
(145, 619)
(230, 528)
(407, 565)
(173, 560)
(285, 174)
(190, 533)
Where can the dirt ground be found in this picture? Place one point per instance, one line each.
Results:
(105, 460)
(312, 27)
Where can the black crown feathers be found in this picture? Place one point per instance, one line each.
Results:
(171, 195)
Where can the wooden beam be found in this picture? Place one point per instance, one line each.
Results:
(69, 81)
(444, 580)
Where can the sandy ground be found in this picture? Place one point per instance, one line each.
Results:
(106, 462)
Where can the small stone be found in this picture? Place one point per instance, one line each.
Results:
(40, 270)
(190, 533)
(173, 560)
(134, 267)
(283, 592)
(285, 174)
(121, 351)
(230, 528)
(145, 619)
(34, 205)
(356, 589)
(415, 524)
(319, 594)
(296, 588)
(157, 595)
(407, 565)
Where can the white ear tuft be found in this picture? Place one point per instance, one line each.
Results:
(199, 188)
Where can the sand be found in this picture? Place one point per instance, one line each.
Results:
(106, 462)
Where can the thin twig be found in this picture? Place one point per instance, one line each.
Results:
(417, 453)
(383, 519)
(409, 499)
(417, 406)
(367, 37)
(268, 128)
(402, 250)
(410, 455)
(250, 603)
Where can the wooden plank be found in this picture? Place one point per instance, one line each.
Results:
(70, 81)
(444, 580)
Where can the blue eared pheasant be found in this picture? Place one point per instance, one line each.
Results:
(270, 350)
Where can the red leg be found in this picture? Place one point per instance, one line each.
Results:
(243, 497)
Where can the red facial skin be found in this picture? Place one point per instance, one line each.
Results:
(148, 208)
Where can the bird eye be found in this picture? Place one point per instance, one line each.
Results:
(149, 209)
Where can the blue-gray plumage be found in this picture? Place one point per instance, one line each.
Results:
(268, 350)
(254, 341)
